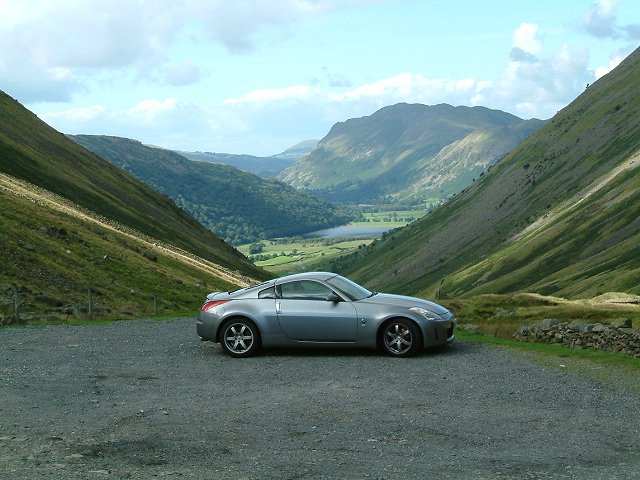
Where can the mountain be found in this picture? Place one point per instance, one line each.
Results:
(238, 206)
(265, 167)
(298, 151)
(559, 215)
(405, 152)
(71, 221)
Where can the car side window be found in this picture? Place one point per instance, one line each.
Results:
(304, 290)
(267, 293)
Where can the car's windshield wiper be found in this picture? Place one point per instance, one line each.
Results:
(372, 294)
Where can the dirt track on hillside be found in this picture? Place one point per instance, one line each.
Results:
(60, 204)
(146, 399)
(578, 198)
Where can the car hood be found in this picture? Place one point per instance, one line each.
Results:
(403, 301)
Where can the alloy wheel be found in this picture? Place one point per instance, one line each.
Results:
(239, 338)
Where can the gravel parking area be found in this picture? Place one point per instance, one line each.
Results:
(147, 399)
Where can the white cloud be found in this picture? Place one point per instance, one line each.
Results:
(164, 122)
(187, 73)
(525, 38)
(151, 108)
(600, 19)
(39, 38)
(412, 87)
(539, 88)
(272, 94)
(235, 24)
(633, 31)
(83, 114)
(61, 43)
(602, 71)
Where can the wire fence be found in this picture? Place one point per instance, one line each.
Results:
(17, 307)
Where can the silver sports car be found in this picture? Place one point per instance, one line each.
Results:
(321, 309)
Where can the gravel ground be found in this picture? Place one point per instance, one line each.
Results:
(147, 399)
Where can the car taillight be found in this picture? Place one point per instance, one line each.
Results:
(213, 303)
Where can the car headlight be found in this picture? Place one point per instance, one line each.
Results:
(424, 313)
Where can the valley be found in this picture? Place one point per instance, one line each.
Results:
(320, 250)
(532, 218)
(472, 167)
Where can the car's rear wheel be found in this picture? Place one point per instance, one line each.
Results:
(401, 338)
(240, 338)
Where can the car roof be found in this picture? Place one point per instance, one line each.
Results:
(246, 292)
(323, 276)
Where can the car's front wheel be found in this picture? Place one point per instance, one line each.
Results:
(401, 338)
(240, 338)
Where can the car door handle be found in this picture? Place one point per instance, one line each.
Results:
(278, 307)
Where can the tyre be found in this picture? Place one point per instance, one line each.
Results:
(239, 338)
(401, 338)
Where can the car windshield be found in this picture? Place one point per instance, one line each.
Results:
(349, 289)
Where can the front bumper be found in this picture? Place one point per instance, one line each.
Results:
(440, 332)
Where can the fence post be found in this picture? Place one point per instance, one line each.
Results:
(16, 303)
(90, 308)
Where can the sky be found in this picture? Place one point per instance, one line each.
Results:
(257, 77)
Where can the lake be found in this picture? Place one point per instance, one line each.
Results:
(348, 231)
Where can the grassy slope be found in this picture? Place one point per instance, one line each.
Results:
(238, 206)
(55, 258)
(589, 246)
(31, 150)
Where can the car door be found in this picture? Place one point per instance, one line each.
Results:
(305, 314)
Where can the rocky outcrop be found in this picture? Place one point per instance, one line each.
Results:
(618, 337)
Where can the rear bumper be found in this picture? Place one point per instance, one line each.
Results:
(207, 326)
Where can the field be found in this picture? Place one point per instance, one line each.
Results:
(391, 219)
(294, 255)
(285, 256)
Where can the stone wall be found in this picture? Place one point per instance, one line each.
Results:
(619, 337)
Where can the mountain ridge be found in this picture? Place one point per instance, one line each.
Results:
(265, 167)
(381, 156)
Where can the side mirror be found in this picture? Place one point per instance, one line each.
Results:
(332, 297)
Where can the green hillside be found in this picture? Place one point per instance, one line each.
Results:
(238, 206)
(560, 215)
(58, 266)
(403, 153)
